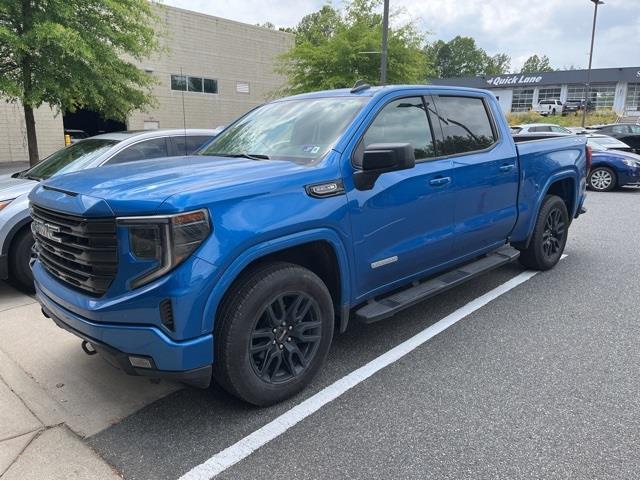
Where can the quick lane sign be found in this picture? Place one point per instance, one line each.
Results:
(514, 80)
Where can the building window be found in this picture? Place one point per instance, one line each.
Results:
(575, 92)
(602, 96)
(178, 82)
(633, 97)
(522, 99)
(193, 84)
(548, 93)
(210, 85)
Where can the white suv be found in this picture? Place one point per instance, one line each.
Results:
(548, 107)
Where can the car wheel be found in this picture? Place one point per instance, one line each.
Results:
(19, 257)
(273, 333)
(602, 179)
(549, 235)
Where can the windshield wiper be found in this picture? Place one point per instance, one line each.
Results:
(250, 156)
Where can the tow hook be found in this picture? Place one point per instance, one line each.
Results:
(88, 348)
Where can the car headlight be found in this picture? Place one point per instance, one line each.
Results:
(631, 163)
(5, 203)
(165, 240)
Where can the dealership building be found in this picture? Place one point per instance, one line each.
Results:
(216, 68)
(616, 89)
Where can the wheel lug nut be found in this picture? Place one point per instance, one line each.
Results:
(290, 327)
(274, 330)
(288, 339)
(283, 324)
(281, 346)
(274, 342)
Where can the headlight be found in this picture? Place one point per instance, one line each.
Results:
(631, 163)
(165, 240)
(5, 203)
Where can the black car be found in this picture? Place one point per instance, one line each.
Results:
(628, 133)
(575, 106)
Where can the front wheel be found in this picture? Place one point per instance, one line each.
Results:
(549, 235)
(19, 257)
(602, 179)
(273, 333)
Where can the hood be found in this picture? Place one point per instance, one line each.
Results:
(141, 187)
(14, 187)
(618, 154)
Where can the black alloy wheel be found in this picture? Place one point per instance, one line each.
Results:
(286, 337)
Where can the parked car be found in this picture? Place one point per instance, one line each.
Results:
(108, 149)
(548, 107)
(612, 169)
(536, 128)
(607, 142)
(575, 106)
(304, 213)
(628, 133)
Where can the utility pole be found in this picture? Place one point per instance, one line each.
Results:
(593, 36)
(385, 42)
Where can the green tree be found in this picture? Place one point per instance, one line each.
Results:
(75, 54)
(336, 48)
(461, 57)
(536, 63)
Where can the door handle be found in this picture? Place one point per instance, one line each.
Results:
(507, 167)
(440, 181)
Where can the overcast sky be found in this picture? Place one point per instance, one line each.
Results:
(560, 29)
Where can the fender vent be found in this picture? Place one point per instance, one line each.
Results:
(166, 314)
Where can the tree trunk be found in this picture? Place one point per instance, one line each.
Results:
(32, 139)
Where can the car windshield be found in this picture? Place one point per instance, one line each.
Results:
(595, 146)
(607, 141)
(301, 130)
(69, 159)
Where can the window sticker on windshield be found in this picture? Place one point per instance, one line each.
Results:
(310, 148)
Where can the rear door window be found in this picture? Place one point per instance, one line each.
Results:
(466, 124)
(154, 148)
(190, 144)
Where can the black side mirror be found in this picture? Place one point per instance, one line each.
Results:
(379, 158)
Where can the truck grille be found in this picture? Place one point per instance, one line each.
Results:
(81, 252)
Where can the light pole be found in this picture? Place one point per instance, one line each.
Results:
(593, 36)
(385, 42)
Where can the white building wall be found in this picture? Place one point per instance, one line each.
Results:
(211, 47)
(13, 132)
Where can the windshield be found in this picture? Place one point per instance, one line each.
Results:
(607, 141)
(596, 147)
(299, 130)
(69, 159)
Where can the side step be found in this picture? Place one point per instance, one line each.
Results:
(385, 307)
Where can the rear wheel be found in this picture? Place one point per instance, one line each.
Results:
(549, 235)
(273, 333)
(19, 257)
(602, 179)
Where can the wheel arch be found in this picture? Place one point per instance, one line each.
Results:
(321, 251)
(8, 240)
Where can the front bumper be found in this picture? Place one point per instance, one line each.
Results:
(187, 361)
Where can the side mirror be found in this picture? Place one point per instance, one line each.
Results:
(379, 158)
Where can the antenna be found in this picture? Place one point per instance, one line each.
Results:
(184, 115)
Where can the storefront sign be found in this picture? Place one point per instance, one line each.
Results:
(514, 80)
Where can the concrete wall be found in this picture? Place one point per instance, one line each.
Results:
(13, 132)
(210, 47)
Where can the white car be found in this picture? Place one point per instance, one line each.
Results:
(548, 107)
(538, 128)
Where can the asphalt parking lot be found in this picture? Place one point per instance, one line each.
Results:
(539, 383)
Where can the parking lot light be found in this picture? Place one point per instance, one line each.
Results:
(593, 35)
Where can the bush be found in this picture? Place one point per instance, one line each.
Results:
(571, 120)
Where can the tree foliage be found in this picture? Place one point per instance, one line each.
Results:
(75, 54)
(335, 48)
(461, 57)
(536, 63)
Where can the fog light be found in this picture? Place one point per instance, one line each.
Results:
(140, 362)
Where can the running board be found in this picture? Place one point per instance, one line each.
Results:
(385, 307)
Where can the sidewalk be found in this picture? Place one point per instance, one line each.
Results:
(52, 396)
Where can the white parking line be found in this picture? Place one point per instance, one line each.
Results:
(249, 444)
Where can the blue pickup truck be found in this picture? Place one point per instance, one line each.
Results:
(240, 263)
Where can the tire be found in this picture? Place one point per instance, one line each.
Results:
(549, 235)
(19, 256)
(602, 179)
(553, 112)
(261, 355)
